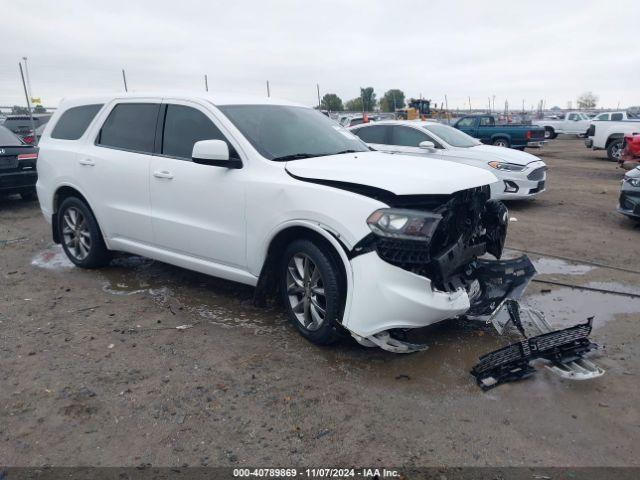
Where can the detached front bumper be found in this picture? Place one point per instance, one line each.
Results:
(588, 142)
(387, 297)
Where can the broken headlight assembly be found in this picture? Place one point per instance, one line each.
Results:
(507, 167)
(404, 224)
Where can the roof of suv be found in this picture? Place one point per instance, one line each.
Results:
(215, 99)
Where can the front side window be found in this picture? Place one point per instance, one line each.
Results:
(130, 126)
(466, 123)
(603, 116)
(282, 133)
(452, 136)
(408, 137)
(74, 122)
(373, 134)
(184, 126)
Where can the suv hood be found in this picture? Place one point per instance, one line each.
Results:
(489, 153)
(398, 174)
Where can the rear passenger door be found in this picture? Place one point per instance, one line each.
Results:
(198, 210)
(113, 171)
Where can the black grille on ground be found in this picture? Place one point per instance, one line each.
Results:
(537, 174)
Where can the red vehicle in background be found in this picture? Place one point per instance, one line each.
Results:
(630, 155)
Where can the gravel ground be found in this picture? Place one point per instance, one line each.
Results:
(95, 372)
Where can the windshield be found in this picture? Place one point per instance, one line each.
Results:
(452, 136)
(282, 133)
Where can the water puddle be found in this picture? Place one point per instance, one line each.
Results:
(53, 258)
(549, 266)
(564, 307)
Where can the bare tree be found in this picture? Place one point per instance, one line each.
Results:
(588, 100)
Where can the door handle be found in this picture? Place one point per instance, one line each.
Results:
(87, 162)
(163, 174)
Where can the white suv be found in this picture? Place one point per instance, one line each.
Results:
(276, 195)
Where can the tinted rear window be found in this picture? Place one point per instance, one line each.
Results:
(130, 126)
(74, 122)
(8, 139)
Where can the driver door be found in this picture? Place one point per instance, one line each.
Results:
(197, 210)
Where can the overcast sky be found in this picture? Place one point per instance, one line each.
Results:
(515, 50)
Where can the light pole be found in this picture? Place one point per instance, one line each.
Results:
(26, 72)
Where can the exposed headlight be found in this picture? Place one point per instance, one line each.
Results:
(509, 167)
(404, 224)
(634, 182)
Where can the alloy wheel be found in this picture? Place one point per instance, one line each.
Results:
(616, 150)
(305, 290)
(75, 232)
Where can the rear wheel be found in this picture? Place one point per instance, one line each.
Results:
(310, 286)
(501, 142)
(549, 133)
(80, 235)
(615, 149)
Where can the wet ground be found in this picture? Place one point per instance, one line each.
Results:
(145, 363)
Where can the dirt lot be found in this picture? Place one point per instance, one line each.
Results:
(94, 372)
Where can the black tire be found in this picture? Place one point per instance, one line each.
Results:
(98, 255)
(501, 142)
(549, 133)
(334, 295)
(614, 149)
(29, 195)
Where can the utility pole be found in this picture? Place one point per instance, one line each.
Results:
(26, 94)
(489, 104)
(494, 103)
(268, 89)
(469, 103)
(124, 79)
(318, 87)
(26, 71)
(206, 83)
(446, 102)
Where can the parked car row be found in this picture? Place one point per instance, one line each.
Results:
(17, 165)
(21, 125)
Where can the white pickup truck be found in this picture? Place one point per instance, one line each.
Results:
(614, 116)
(574, 123)
(609, 136)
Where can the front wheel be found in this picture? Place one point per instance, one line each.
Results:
(501, 142)
(614, 150)
(80, 236)
(311, 291)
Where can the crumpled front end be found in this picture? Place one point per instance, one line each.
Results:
(402, 281)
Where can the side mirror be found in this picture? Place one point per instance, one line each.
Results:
(427, 145)
(214, 153)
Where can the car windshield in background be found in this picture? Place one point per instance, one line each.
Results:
(452, 136)
(282, 133)
(8, 139)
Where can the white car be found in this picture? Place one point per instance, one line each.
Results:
(278, 196)
(521, 175)
(573, 123)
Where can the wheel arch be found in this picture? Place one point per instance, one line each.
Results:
(60, 195)
(613, 137)
(277, 243)
(499, 136)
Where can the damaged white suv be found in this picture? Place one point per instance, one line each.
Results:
(276, 195)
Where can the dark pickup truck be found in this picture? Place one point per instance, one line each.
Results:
(485, 129)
